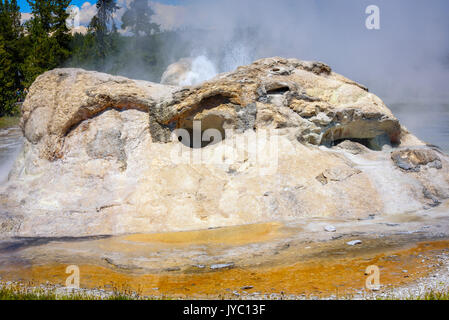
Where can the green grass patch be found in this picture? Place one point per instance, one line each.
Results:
(429, 295)
(7, 122)
(39, 294)
(21, 291)
(435, 295)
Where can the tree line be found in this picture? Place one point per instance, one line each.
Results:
(45, 42)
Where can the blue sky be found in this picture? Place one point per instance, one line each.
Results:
(24, 7)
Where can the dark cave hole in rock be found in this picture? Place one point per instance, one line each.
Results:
(365, 133)
(202, 133)
(375, 144)
(364, 142)
(202, 125)
(278, 91)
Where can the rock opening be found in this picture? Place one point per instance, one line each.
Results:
(204, 123)
(372, 134)
(201, 133)
(278, 91)
(365, 142)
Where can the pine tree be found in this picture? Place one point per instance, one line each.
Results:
(138, 19)
(103, 27)
(48, 43)
(11, 34)
(7, 97)
(60, 30)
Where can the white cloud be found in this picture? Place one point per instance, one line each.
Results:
(25, 16)
(87, 11)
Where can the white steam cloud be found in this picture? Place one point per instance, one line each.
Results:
(202, 69)
(405, 59)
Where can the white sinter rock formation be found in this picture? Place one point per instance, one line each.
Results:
(102, 153)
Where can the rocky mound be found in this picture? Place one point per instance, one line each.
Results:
(279, 139)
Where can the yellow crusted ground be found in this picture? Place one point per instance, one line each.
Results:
(317, 277)
(239, 235)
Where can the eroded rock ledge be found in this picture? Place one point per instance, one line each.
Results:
(62, 99)
(323, 106)
(98, 153)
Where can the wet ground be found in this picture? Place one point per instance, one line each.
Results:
(253, 261)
